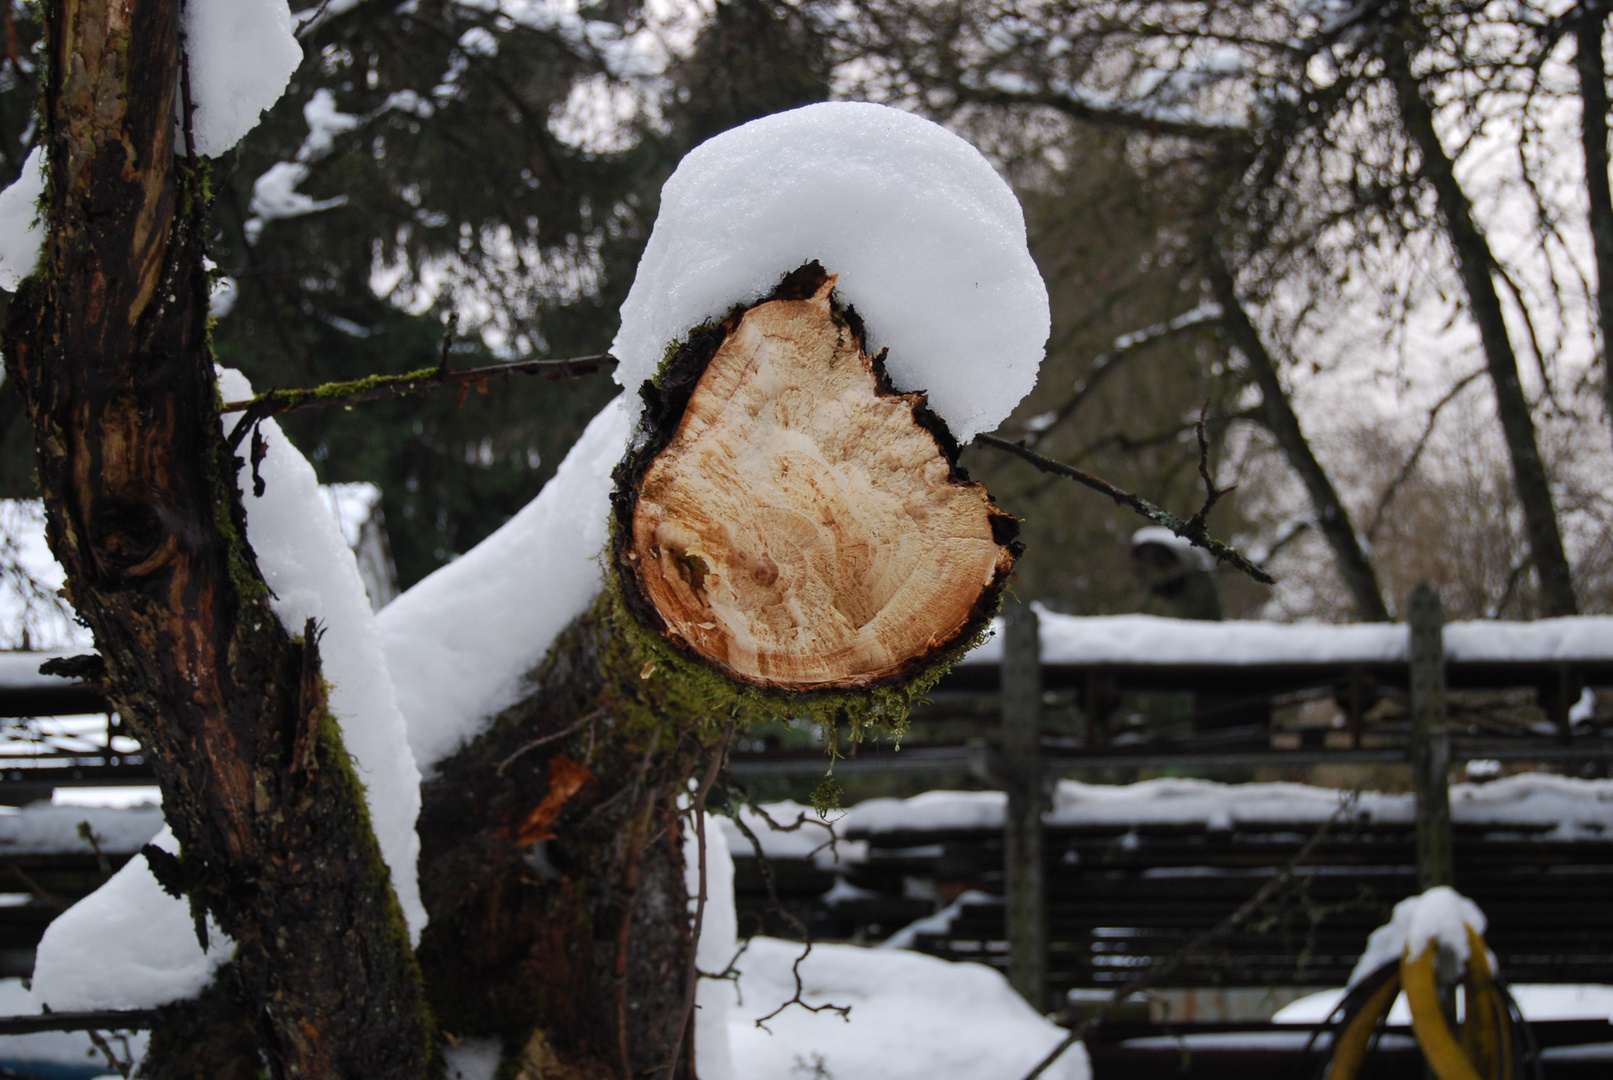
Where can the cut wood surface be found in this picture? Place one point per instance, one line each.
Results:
(804, 527)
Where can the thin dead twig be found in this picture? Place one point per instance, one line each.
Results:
(544, 740)
(800, 927)
(1192, 530)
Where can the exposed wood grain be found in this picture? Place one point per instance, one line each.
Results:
(802, 529)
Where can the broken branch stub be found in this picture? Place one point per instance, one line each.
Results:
(794, 521)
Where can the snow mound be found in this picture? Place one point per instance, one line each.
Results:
(928, 242)
(1439, 916)
(242, 54)
(127, 945)
(472, 1059)
(913, 1017)
(21, 232)
(459, 642)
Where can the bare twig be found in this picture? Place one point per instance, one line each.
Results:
(123, 1068)
(312, 20)
(87, 834)
(543, 740)
(1212, 494)
(42, 894)
(340, 395)
(1417, 451)
(1144, 980)
(1193, 531)
(800, 927)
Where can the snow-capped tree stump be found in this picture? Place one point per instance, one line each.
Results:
(791, 538)
(791, 519)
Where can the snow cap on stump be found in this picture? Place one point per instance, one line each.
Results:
(926, 240)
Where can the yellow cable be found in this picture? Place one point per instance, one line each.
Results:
(1491, 1048)
(1440, 1048)
(1350, 1049)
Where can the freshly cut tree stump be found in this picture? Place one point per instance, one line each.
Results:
(793, 520)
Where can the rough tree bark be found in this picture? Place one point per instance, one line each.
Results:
(1359, 575)
(1476, 264)
(780, 550)
(108, 343)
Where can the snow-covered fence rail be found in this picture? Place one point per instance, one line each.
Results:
(1134, 872)
(1241, 679)
(1136, 690)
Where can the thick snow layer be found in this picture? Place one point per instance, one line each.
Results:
(1150, 639)
(1537, 1001)
(69, 1048)
(1564, 807)
(312, 574)
(128, 945)
(41, 828)
(242, 54)
(21, 231)
(913, 1017)
(1437, 917)
(928, 242)
(459, 642)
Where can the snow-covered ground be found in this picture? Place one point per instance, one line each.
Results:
(913, 1017)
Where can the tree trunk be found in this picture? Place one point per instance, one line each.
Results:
(1476, 263)
(553, 872)
(1334, 520)
(784, 523)
(1593, 137)
(108, 343)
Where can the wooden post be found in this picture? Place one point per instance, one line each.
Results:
(1024, 887)
(1430, 738)
(1357, 705)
